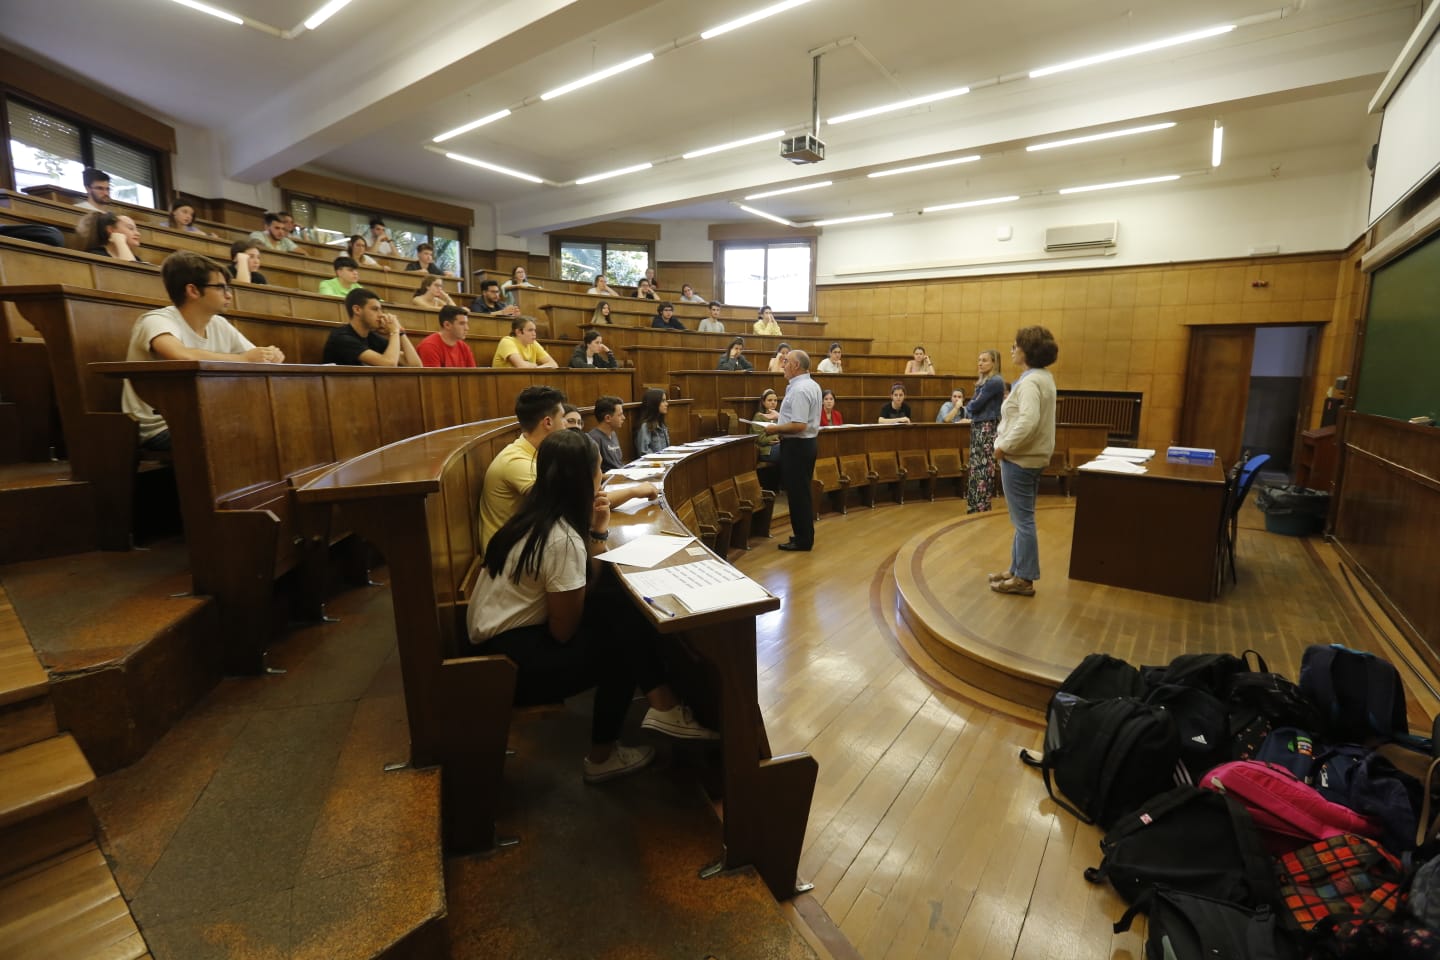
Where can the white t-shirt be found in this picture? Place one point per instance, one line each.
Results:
(219, 337)
(499, 603)
(828, 366)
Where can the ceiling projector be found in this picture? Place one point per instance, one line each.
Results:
(803, 149)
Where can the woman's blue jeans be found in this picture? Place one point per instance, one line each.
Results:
(1021, 485)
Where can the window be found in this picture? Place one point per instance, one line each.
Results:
(622, 261)
(334, 225)
(47, 149)
(778, 274)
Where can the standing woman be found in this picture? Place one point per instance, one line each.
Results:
(602, 313)
(829, 416)
(1023, 445)
(652, 436)
(530, 605)
(983, 415)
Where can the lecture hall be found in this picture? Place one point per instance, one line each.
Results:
(941, 349)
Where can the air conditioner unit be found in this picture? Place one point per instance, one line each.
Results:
(1082, 236)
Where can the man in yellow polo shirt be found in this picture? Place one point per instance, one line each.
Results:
(520, 349)
(541, 411)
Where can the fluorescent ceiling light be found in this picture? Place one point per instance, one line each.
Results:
(325, 13)
(451, 134)
(1132, 51)
(837, 220)
(1121, 183)
(750, 18)
(495, 167)
(914, 102)
(924, 166)
(1217, 142)
(597, 76)
(705, 151)
(1110, 135)
(776, 193)
(213, 11)
(614, 173)
(768, 216)
(969, 203)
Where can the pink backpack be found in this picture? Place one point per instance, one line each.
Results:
(1288, 813)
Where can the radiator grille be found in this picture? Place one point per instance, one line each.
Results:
(1119, 412)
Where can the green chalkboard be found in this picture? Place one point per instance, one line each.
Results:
(1400, 369)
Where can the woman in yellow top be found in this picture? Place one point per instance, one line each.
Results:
(432, 294)
(765, 324)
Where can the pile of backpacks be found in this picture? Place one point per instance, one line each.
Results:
(1249, 816)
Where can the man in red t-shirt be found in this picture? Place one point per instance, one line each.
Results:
(448, 347)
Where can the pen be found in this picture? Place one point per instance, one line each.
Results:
(668, 613)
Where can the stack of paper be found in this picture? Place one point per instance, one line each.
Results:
(700, 586)
(1112, 465)
(1134, 454)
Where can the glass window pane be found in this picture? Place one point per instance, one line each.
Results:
(580, 261)
(43, 149)
(626, 262)
(744, 276)
(407, 235)
(132, 171)
(788, 277)
(447, 249)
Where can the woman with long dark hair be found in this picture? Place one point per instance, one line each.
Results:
(1023, 445)
(983, 414)
(529, 604)
(356, 247)
(652, 435)
(601, 313)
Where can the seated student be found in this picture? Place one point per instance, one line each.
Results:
(765, 324)
(665, 317)
(734, 357)
(650, 279)
(361, 342)
(379, 238)
(609, 418)
(529, 604)
(651, 434)
(777, 362)
(425, 260)
(448, 348)
(520, 349)
(602, 313)
(274, 236)
(97, 190)
(602, 287)
(895, 410)
(952, 410)
(356, 248)
(920, 364)
(712, 324)
(182, 217)
(490, 303)
(517, 281)
(347, 278)
(431, 294)
(190, 329)
(829, 416)
(644, 291)
(688, 294)
(110, 235)
(245, 262)
(592, 352)
(768, 412)
(573, 419)
(834, 362)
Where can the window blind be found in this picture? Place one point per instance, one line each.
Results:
(41, 131)
(122, 162)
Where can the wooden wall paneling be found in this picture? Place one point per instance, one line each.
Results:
(142, 283)
(354, 415)
(241, 449)
(300, 402)
(440, 402)
(399, 406)
(453, 551)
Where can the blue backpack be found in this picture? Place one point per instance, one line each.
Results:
(1359, 695)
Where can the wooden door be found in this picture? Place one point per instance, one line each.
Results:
(1217, 384)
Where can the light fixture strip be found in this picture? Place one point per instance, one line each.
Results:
(839, 220)
(213, 11)
(472, 125)
(1091, 138)
(970, 203)
(1133, 51)
(768, 216)
(750, 18)
(598, 76)
(924, 166)
(1120, 183)
(902, 105)
(494, 167)
(325, 13)
(706, 151)
(783, 190)
(613, 173)
(1217, 142)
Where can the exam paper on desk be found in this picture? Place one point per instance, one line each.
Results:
(645, 551)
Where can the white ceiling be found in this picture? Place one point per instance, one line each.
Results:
(363, 95)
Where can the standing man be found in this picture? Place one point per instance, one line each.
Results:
(448, 347)
(97, 190)
(798, 426)
(361, 342)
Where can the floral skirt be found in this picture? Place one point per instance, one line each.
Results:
(982, 465)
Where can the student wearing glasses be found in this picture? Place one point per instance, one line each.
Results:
(191, 328)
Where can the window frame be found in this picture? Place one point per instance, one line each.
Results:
(288, 198)
(558, 240)
(159, 165)
(765, 243)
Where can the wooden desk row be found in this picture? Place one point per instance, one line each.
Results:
(653, 362)
(580, 307)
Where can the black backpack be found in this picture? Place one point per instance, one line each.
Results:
(1212, 672)
(1201, 722)
(1187, 926)
(1359, 695)
(1106, 756)
(1188, 839)
(1101, 676)
(1261, 702)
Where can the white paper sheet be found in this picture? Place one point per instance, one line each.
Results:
(635, 506)
(1128, 453)
(1108, 465)
(646, 551)
(721, 595)
(682, 576)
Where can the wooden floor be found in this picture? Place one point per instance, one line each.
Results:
(927, 837)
